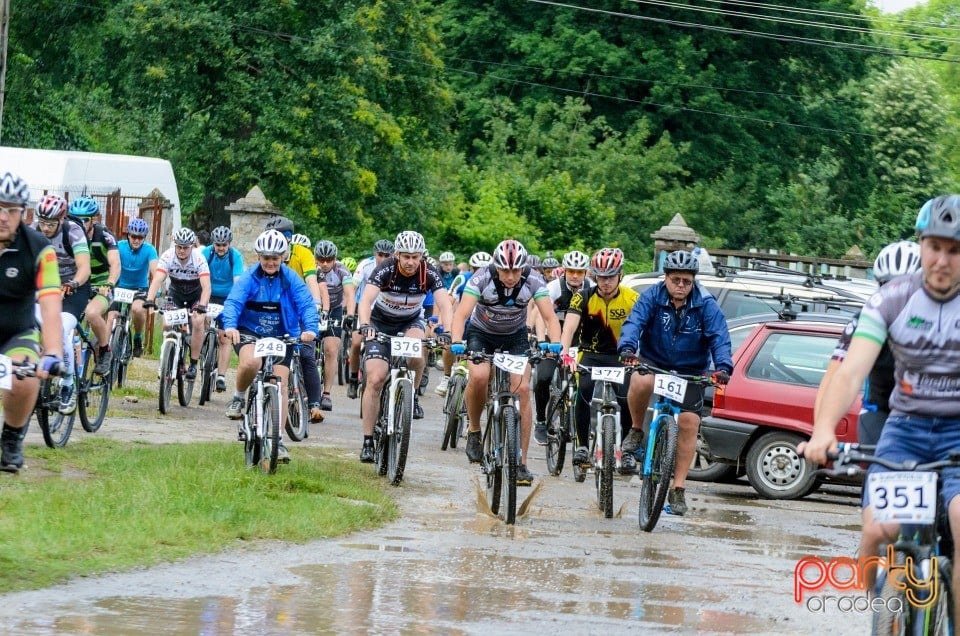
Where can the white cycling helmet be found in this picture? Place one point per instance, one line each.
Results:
(480, 259)
(184, 236)
(300, 239)
(271, 243)
(576, 260)
(13, 189)
(447, 257)
(896, 259)
(409, 242)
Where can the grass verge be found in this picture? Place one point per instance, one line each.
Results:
(103, 505)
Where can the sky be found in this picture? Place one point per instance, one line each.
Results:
(893, 6)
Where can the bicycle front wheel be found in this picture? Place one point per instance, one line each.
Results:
(55, 426)
(270, 429)
(399, 442)
(654, 487)
(343, 359)
(184, 386)
(167, 371)
(451, 408)
(119, 344)
(894, 616)
(208, 367)
(492, 458)
(94, 396)
(605, 464)
(556, 442)
(510, 424)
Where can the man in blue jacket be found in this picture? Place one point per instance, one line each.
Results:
(269, 300)
(678, 326)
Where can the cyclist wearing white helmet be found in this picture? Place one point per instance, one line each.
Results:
(448, 269)
(189, 277)
(226, 266)
(477, 261)
(270, 300)
(392, 303)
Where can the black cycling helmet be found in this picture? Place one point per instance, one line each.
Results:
(281, 224)
(221, 235)
(681, 261)
(325, 249)
(383, 246)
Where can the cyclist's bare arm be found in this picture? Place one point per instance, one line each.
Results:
(204, 290)
(545, 305)
(370, 292)
(570, 325)
(51, 330)
(442, 301)
(82, 261)
(464, 309)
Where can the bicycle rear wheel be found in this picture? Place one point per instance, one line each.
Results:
(94, 396)
(606, 464)
(298, 414)
(492, 458)
(54, 426)
(654, 487)
(399, 442)
(452, 406)
(208, 367)
(270, 429)
(510, 424)
(167, 371)
(556, 442)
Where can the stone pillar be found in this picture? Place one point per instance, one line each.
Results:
(161, 230)
(248, 216)
(671, 237)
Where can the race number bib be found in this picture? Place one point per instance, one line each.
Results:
(608, 374)
(175, 317)
(573, 351)
(510, 363)
(669, 386)
(124, 296)
(904, 497)
(6, 373)
(265, 347)
(406, 347)
(214, 310)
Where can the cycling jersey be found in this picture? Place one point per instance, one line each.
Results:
(135, 265)
(456, 289)
(561, 294)
(69, 241)
(401, 297)
(362, 275)
(184, 275)
(501, 311)
(601, 320)
(336, 278)
(101, 242)
(448, 277)
(301, 261)
(924, 335)
(270, 305)
(880, 382)
(223, 269)
(28, 269)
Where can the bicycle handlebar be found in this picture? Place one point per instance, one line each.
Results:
(645, 368)
(849, 454)
(27, 369)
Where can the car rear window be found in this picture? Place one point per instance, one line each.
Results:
(793, 358)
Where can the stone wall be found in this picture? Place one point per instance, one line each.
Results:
(248, 216)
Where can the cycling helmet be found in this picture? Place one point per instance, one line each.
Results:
(281, 224)
(607, 262)
(550, 263)
(271, 243)
(383, 246)
(447, 257)
(137, 227)
(896, 259)
(510, 254)
(480, 259)
(432, 261)
(221, 235)
(13, 189)
(940, 217)
(532, 260)
(681, 261)
(52, 207)
(576, 260)
(350, 263)
(184, 236)
(84, 208)
(410, 242)
(300, 239)
(325, 249)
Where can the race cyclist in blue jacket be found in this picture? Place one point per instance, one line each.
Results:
(269, 300)
(675, 325)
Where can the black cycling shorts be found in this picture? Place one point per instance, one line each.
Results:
(517, 343)
(25, 344)
(76, 303)
(336, 315)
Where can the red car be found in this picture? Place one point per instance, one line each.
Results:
(766, 410)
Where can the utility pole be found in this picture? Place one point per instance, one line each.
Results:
(4, 31)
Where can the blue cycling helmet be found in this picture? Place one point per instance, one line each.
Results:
(137, 227)
(940, 217)
(84, 208)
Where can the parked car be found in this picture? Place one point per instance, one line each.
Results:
(757, 420)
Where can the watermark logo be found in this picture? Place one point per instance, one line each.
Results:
(920, 585)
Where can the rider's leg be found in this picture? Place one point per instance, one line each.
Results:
(247, 369)
(311, 375)
(138, 316)
(476, 393)
(638, 398)
(19, 400)
(374, 376)
(953, 511)
(526, 409)
(94, 314)
(331, 345)
(541, 388)
(417, 364)
(355, 340)
(198, 323)
(223, 353)
(282, 372)
(689, 424)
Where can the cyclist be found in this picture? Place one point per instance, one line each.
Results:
(226, 266)
(382, 249)
(189, 287)
(73, 261)
(104, 274)
(392, 303)
(301, 239)
(550, 266)
(31, 278)
(495, 301)
(343, 306)
(477, 261)
(300, 260)
(138, 263)
(561, 292)
(448, 269)
(918, 315)
(675, 325)
(594, 319)
(270, 300)
(897, 259)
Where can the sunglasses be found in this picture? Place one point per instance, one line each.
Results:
(679, 281)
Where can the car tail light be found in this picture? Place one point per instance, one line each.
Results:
(719, 399)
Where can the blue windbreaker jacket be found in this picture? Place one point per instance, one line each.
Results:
(253, 301)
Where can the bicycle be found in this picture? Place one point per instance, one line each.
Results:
(52, 435)
(297, 421)
(174, 358)
(391, 433)
(209, 354)
(93, 395)
(259, 430)
(660, 455)
(919, 583)
(343, 353)
(455, 406)
(120, 338)
(605, 437)
(561, 422)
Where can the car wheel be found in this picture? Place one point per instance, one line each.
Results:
(702, 468)
(776, 470)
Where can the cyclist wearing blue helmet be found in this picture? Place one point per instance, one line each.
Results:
(138, 262)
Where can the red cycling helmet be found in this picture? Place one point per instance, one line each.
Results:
(607, 262)
(52, 207)
(510, 254)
